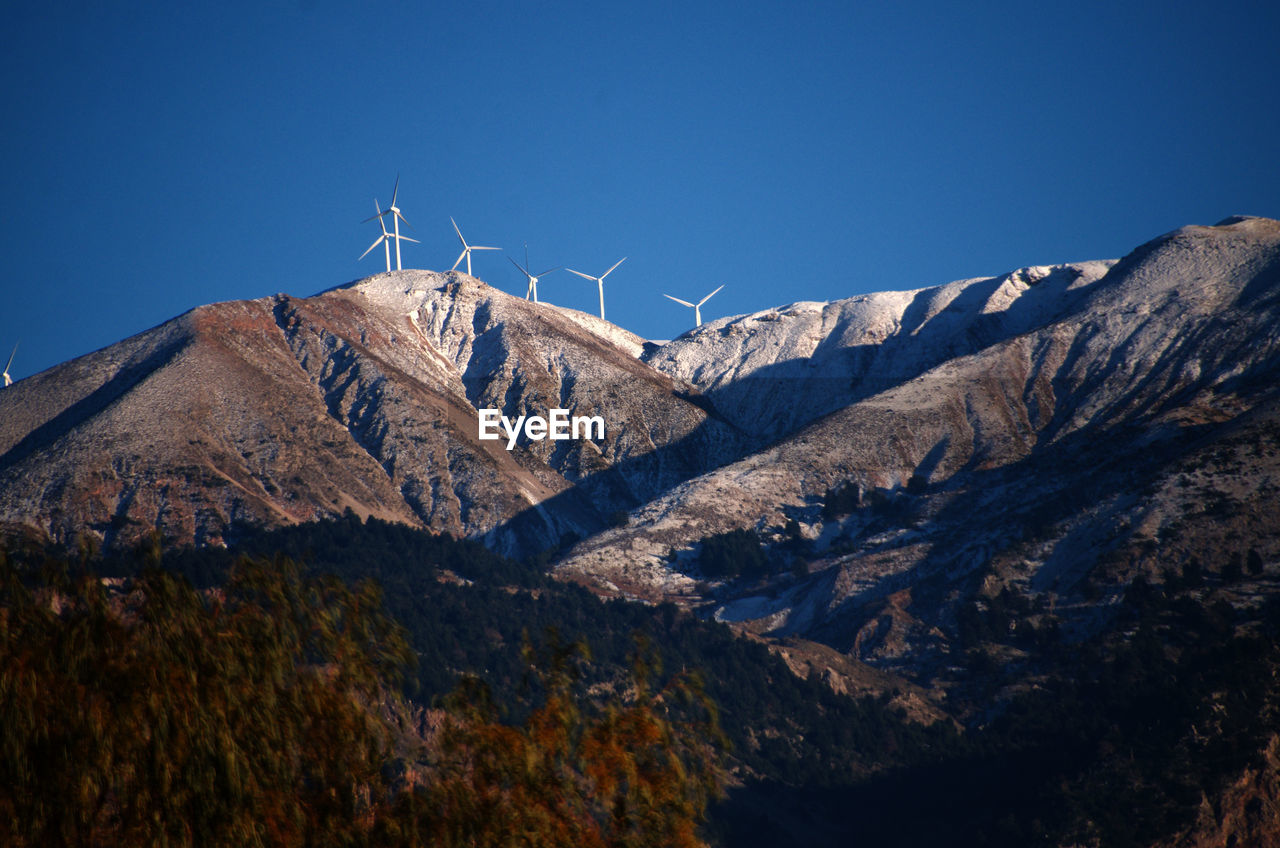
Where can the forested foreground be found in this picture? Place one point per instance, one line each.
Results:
(233, 697)
(268, 711)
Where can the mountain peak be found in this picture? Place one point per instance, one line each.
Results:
(367, 397)
(1256, 220)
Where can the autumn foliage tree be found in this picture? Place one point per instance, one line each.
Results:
(638, 770)
(266, 713)
(151, 713)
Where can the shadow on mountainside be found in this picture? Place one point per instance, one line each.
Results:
(1071, 492)
(837, 375)
(92, 404)
(640, 479)
(1263, 289)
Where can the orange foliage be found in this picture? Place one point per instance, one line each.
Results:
(149, 713)
(639, 773)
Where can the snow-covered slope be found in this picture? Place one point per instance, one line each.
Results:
(363, 397)
(1034, 460)
(772, 371)
(1032, 424)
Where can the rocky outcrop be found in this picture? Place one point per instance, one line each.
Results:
(1245, 813)
(1053, 460)
(1054, 431)
(364, 397)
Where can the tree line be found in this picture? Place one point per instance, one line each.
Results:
(268, 710)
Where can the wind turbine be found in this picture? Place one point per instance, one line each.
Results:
(697, 307)
(8, 381)
(466, 248)
(533, 279)
(385, 239)
(599, 280)
(396, 218)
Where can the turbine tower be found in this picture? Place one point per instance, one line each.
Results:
(385, 239)
(697, 307)
(396, 218)
(533, 279)
(466, 248)
(599, 280)
(8, 381)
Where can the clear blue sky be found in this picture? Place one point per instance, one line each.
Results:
(162, 157)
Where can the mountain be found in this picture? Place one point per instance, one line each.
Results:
(1055, 432)
(1005, 398)
(1035, 512)
(1030, 425)
(773, 371)
(364, 397)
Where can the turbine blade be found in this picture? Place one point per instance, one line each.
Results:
(549, 270)
(458, 231)
(615, 265)
(678, 300)
(460, 258)
(379, 241)
(478, 247)
(582, 275)
(708, 297)
(521, 267)
(402, 218)
(11, 356)
(405, 238)
(374, 217)
(396, 191)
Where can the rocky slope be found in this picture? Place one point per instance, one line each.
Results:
(772, 371)
(954, 488)
(364, 397)
(1055, 431)
(1131, 425)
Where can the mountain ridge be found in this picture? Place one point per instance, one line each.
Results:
(1034, 511)
(362, 358)
(365, 397)
(1016, 432)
